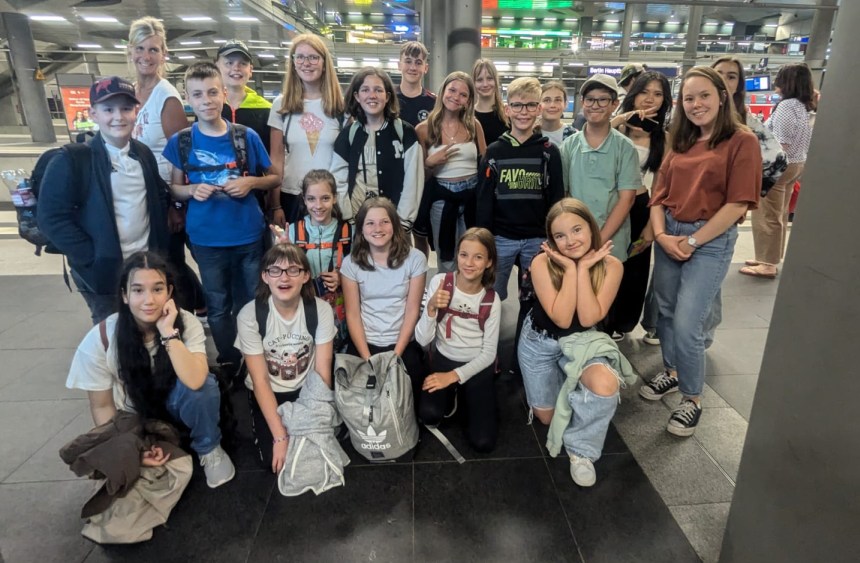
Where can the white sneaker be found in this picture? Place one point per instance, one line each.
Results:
(217, 467)
(651, 338)
(582, 471)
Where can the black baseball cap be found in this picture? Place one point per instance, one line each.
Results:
(233, 46)
(109, 87)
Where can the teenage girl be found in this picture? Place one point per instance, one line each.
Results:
(465, 347)
(305, 120)
(553, 100)
(150, 358)
(648, 99)
(489, 107)
(705, 185)
(383, 282)
(378, 154)
(575, 281)
(453, 141)
(287, 353)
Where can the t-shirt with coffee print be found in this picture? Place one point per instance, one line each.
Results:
(288, 348)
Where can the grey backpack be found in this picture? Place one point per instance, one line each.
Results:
(374, 398)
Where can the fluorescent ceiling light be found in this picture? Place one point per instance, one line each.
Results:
(611, 21)
(529, 19)
(196, 18)
(48, 18)
(652, 22)
(219, 41)
(190, 43)
(771, 25)
(101, 19)
(89, 46)
(570, 19)
(118, 46)
(266, 55)
(256, 41)
(354, 13)
(243, 18)
(185, 57)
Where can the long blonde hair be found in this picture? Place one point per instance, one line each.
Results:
(293, 100)
(498, 103)
(556, 272)
(467, 113)
(141, 30)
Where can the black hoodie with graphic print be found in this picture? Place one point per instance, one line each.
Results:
(517, 184)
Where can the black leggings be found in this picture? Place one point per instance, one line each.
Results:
(477, 403)
(262, 434)
(413, 360)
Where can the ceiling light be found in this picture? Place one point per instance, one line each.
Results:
(243, 18)
(89, 46)
(48, 18)
(266, 55)
(119, 46)
(185, 57)
(196, 18)
(101, 19)
(256, 41)
(219, 41)
(611, 21)
(190, 43)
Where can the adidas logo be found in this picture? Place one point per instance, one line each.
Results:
(373, 441)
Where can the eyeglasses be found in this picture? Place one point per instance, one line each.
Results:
(599, 102)
(517, 107)
(300, 59)
(292, 271)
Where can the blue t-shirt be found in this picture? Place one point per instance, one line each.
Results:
(221, 220)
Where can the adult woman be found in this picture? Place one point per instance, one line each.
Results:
(150, 358)
(305, 121)
(648, 100)
(160, 116)
(489, 107)
(708, 182)
(790, 124)
(453, 141)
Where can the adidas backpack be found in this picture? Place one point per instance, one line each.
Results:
(374, 398)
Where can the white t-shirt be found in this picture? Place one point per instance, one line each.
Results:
(93, 369)
(383, 293)
(148, 129)
(468, 343)
(129, 200)
(311, 138)
(289, 349)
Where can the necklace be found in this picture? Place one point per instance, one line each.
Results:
(450, 136)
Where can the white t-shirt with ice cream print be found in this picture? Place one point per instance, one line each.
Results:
(288, 348)
(310, 137)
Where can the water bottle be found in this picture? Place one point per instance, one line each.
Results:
(19, 188)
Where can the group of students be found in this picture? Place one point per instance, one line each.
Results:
(349, 180)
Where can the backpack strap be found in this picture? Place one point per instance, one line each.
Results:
(311, 319)
(239, 136)
(184, 148)
(103, 333)
(486, 307)
(341, 243)
(261, 310)
(352, 130)
(398, 128)
(301, 234)
(447, 285)
(287, 131)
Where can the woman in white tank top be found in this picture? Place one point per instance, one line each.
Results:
(453, 141)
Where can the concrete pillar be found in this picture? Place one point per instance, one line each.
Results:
(797, 496)
(626, 31)
(434, 31)
(819, 39)
(464, 34)
(694, 26)
(31, 92)
(91, 64)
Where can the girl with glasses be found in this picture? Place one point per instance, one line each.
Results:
(305, 121)
(293, 344)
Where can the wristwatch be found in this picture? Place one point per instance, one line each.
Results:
(692, 242)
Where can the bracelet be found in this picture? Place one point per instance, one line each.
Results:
(280, 439)
(275, 208)
(172, 336)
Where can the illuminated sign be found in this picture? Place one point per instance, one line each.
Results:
(532, 32)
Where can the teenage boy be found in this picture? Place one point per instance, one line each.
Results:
(601, 166)
(416, 102)
(99, 203)
(217, 165)
(520, 178)
(244, 105)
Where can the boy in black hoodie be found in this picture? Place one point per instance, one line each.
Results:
(520, 178)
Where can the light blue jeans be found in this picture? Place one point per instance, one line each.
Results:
(200, 411)
(685, 292)
(542, 365)
(507, 251)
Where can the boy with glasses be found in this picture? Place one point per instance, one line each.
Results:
(519, 179)
(601, 166)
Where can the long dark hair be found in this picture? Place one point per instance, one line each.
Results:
(147, 380)
(658, 135)
(740, 95)
(400, 245)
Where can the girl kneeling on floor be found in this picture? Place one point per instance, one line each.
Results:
(462, 319)
(565, 363)
(150, 358)
(282, 340)
(383, 282)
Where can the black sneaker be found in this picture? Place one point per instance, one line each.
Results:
(684, 418)
(661, 385)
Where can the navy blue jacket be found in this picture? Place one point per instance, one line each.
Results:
(80, 221)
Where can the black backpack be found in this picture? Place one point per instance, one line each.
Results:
(261, 309)
(239, 138)
(28, 225)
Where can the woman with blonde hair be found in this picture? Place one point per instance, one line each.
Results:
(489, 107)
(305, 120)
(453, 141)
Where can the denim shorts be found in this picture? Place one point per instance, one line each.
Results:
(542, 366)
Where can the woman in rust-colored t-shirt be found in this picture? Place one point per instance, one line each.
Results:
(707, 184)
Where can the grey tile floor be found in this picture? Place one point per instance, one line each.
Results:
(41, 323)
